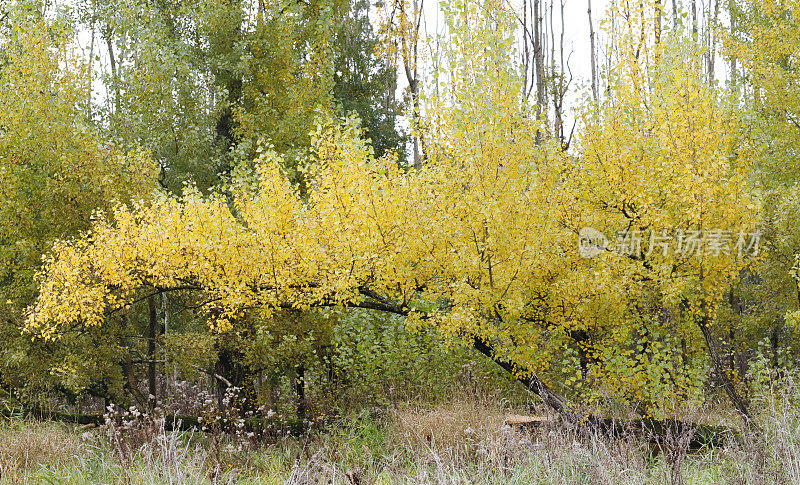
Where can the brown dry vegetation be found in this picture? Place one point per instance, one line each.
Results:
(28, 445)
(463, 441)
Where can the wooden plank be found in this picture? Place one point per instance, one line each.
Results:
(525, 421)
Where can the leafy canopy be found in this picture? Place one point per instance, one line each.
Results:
(482, 240)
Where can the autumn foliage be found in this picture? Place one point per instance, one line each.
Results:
(479, 242)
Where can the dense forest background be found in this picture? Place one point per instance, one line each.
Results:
(320, 206)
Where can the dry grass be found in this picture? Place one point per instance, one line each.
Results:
(464, 441)
(467, 442)
(450, 431)
(35, 452)
(26, 446)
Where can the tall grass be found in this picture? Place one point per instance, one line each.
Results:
(464, 441)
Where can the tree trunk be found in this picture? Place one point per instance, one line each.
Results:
(737, 400)
(733, 78)
(533, 383)
(674, 14)
(130, 384)
(595, 93)
(712, 41)
(152, 331)
(538, 62)
(113, 62)
(300, 386)
(657, 22)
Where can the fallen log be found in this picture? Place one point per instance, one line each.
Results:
(653, 430)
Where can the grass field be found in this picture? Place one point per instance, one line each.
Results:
(464, 441)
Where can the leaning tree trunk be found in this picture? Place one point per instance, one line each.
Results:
(532, 382)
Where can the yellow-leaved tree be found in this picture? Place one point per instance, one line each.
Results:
(664, 171)
(482, 241)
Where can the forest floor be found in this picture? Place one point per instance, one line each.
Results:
(464, 441)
